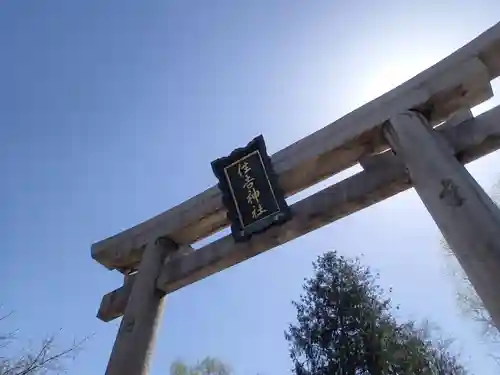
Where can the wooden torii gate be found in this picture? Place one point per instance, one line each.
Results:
(418, 135)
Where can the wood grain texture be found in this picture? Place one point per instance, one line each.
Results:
(462, 80)
(467, 217)
(383, 177)
(114, 303)
(134, 342)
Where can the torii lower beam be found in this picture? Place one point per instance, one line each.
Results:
(113, 304)
(462, 80)
(383, 177)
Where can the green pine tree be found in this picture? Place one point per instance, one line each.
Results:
(345, 326)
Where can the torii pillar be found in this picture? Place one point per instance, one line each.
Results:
(465, 214)
(134, 342)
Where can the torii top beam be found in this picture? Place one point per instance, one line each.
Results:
(462, 80)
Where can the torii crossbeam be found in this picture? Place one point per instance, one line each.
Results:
(418, 135)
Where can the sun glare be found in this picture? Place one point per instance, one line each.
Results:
(392, 73)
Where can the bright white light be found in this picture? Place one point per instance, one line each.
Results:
(392, 72)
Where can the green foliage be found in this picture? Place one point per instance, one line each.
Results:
(208, 366)
(345, 326)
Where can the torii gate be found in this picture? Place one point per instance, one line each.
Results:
(418, 135)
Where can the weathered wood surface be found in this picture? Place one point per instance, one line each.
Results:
(383, 177)
(135, 339)
(114, 303)
(465, 214)
(460, 80)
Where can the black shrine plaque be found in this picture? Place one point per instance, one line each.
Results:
(250, 191)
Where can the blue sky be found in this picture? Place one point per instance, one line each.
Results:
(111, 112)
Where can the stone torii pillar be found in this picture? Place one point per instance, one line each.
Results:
(135, 339)
(465, 214)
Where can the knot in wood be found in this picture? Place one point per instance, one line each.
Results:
(450, 193)
(128, 325)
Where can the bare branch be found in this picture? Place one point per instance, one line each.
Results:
(43, 360)
(6, 338)
(467, 298)
(6, 316)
